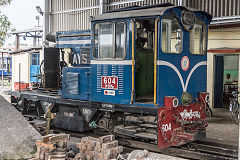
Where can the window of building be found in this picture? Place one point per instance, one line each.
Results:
(171, 35)
(198, 38)
(35, 59)
(4, 63)
(110, 40)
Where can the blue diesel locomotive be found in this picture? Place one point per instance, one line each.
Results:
(139, 72)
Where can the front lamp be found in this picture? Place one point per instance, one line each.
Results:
(187, 19)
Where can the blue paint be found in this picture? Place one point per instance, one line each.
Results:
(34, 72)
(7, 69)
(82, 84)
(168, 83)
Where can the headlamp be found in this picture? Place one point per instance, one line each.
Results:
(187, 19)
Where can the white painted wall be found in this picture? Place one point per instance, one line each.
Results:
(224, 37)
(24, 60)
(220, 38)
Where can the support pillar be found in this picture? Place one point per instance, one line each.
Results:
(103, 6)
(46, 29)
(17, 42)
(181, 2)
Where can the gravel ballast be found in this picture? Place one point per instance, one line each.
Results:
(17, 136)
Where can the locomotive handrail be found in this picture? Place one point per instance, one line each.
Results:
(133, 50)
(155, 61)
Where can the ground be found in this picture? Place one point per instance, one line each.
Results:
(17, 136)
(221, 128)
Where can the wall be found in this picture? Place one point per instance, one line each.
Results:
(24, 60)
(224, 37)
(220, 38)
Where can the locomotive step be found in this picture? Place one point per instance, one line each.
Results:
(135, 132)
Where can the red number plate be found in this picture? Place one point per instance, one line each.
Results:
(109, 82)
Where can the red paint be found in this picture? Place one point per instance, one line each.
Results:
(202, 96)
(23, 86)
(179, 118)
(109, 82)
(224, 50)
(168, 101)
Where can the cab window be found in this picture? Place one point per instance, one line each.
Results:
(110, 40)
(198, 38)
(171, 35)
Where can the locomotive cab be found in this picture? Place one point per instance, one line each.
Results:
(149, 56)
(155, 58)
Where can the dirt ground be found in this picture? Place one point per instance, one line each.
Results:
(17, 136)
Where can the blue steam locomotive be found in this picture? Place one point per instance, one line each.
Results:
(139, 72)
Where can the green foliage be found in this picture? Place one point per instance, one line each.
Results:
(5, 28)
(5, 25)
(5, 2)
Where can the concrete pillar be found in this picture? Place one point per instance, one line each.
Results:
(46, 29)
(210, 77)
(181, 2)
(34, 41)
(17, 42)
(103, 6)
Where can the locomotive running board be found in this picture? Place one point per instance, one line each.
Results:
(132, 131)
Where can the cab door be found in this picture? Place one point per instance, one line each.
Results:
(145, 56)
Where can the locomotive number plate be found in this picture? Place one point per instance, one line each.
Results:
(109, 82)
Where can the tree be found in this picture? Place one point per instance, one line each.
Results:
(5, 25)
(5, 2)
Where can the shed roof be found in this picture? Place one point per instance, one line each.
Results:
(27, 50)
(36, 29)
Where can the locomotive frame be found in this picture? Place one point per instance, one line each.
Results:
(113, 52)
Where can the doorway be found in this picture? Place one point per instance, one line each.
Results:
(144, 58)
(226, 79)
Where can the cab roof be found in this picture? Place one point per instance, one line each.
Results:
(143, 12)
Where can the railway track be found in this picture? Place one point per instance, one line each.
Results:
(198, 150)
